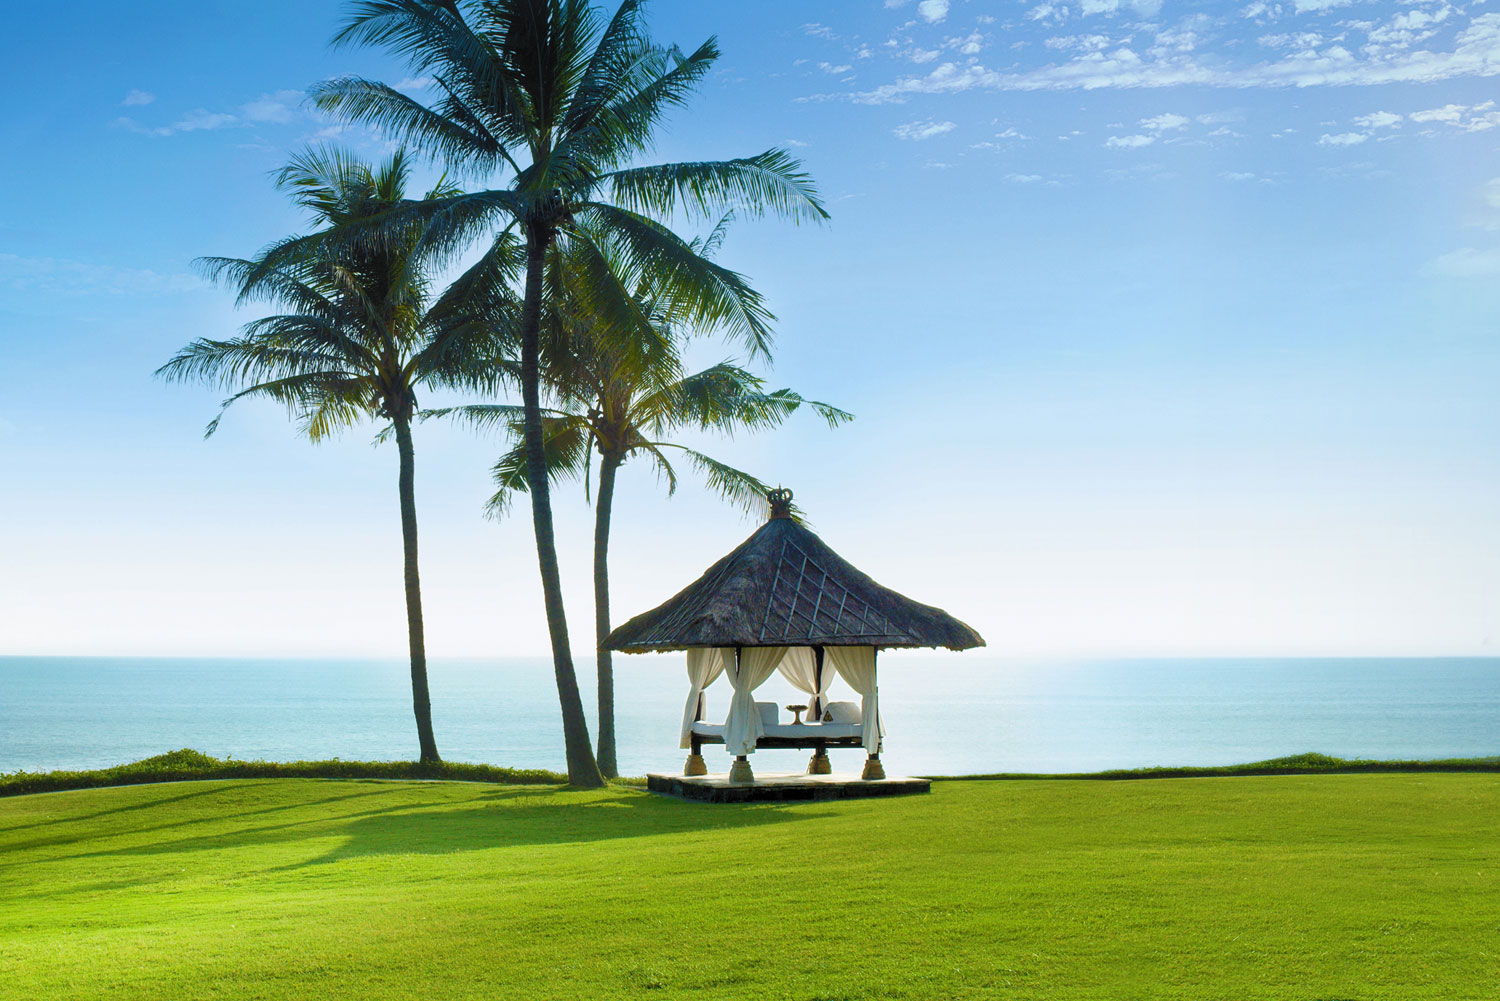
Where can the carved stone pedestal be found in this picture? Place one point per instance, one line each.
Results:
(873, 768)
(740, 773)
(695, 765)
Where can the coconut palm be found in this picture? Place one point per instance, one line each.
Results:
(558, 103)
(622, 398)
(359, 339)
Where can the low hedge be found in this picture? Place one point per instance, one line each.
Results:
(1310, 763)
(188, 765)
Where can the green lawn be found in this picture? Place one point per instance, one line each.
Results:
(1308, 887)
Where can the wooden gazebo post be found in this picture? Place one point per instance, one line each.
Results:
(819, 765)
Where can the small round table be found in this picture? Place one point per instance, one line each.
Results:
(798, 710)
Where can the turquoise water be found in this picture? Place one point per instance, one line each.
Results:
(944, 713)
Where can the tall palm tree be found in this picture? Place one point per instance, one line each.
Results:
(559, 103)
(623, 396)
(359, 337)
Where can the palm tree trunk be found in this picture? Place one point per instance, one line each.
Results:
(607, 467)
(420, 702)
(583, 770)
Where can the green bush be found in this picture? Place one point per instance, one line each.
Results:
(1310, 763)
(188, 765)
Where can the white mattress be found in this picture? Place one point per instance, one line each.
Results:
(811, 731)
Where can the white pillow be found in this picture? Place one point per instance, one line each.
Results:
(767, 712)
(844, 712)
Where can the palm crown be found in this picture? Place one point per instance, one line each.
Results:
(360, 336)
(563, 102)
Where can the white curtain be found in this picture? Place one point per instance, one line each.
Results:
(742, 727)
(800, 666)
(704, 664)
(856, 665)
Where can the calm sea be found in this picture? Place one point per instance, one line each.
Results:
(945, 714)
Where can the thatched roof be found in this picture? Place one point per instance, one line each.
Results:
(783, 586)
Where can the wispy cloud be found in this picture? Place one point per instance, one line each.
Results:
(1128, 142)
(1379, 120)
(1343, 139)
(1462, 117)
(1167, 122)
(54, 275)
(138, 99)
(1387, 54)
(277, 108)
(1465, 263)
(917, 131)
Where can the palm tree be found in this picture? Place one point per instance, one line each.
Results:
(560, 103)
(359, 339)
(622, 418)
(621, 397)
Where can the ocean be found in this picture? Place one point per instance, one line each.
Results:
(945, 713)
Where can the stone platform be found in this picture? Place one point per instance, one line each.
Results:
(772, 787)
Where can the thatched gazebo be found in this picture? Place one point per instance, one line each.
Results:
(785, 601)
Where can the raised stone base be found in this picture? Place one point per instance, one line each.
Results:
(782, 788)
(819, 765)
(740, 773)
(695, 765)
(873, 768)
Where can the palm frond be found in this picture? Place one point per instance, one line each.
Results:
(482, 417)
(453, 132)
(664, 470)
(304, 395)
(565, 443)
(473, 325)
(771, 182)
(243, 359)
(742, 489)
(646, 83)
(686, 284)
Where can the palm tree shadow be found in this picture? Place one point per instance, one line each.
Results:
(83, 834)
(78, 818)
(513, 818)
(499, 818)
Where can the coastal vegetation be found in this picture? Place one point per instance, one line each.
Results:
(188, 765)
(1289, 887)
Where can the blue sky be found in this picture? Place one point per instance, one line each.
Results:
(1170, 329)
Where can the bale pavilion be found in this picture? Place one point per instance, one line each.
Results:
(784, 601)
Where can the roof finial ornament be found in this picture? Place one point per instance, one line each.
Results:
(781, 502)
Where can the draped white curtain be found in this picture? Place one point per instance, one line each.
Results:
(856, 665)
(800, 667)
(704, 664)
(742, 727)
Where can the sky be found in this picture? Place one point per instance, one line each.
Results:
(1170, 329)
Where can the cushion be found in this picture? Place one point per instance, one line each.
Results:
(844, 712)
(767, 712)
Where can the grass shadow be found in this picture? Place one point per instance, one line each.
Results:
(498, 817)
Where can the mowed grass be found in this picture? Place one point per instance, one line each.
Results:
(1307, 887)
